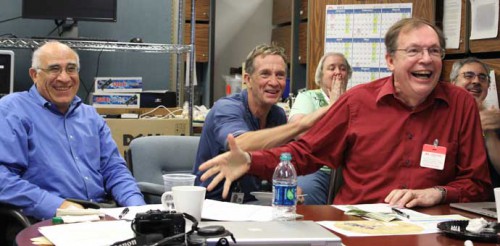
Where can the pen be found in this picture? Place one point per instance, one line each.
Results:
(400, 213)
(123, 213)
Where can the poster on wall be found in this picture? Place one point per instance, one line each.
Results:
(358, 31)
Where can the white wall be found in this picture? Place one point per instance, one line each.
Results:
(240, 25)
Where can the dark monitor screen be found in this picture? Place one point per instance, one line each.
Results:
(6, 72)
(86, 10)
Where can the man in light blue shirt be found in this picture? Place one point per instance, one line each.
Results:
(53, 147)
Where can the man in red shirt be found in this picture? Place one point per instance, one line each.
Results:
(407, 140)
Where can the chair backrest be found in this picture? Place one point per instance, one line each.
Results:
(336, 180)
(153, 156)
(12, 221)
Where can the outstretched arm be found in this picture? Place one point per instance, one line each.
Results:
(230, 165)
(276, 136)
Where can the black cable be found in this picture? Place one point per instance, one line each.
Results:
(67, 28)
(6, 20)
(58, 24)
(98, 61)
(165, 240)
(96, 71)
(86, 90)
(9, 35)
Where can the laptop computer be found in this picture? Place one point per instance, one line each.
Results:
(484, 208)
(295, 233)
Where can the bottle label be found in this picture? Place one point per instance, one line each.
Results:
(285, 195)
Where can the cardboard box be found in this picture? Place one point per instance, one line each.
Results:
(115, 100)
(125, 130)
(118, 84)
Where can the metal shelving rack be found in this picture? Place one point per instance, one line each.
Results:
(180, 48)
(25, 43)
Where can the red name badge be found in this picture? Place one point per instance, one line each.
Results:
(433, 156)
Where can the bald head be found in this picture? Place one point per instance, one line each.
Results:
(49, 49)
(54, 71)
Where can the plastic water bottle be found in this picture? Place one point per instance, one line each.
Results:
(284, 189)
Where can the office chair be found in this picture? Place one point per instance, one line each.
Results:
(336, 180)
(152, 156)
(12, 221)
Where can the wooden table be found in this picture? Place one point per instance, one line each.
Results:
(318, 213)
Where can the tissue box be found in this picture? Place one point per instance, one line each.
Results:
(118, 84)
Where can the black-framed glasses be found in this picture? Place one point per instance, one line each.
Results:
(469, 75)
(55, 70)
(418, 52)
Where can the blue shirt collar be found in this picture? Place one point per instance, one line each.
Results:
(273, 117)
(44, 103)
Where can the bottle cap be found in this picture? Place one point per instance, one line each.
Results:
(285, 156)
(57, 221)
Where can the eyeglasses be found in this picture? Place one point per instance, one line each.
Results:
(56, 70)
(418, 52)
(480, 76)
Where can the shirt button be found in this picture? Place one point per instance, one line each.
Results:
(70, 136)
(410, 136)
(86, 178)
(404, 186)
(407, 163)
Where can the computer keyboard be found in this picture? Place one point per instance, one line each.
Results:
(75, 39)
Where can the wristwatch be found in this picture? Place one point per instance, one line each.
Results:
(442, 190)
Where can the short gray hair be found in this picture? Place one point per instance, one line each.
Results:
(460, 63)
(36, 61)
(319, 70)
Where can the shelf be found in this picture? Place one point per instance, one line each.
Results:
(99, 45)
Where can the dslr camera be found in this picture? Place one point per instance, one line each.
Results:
(160, 222)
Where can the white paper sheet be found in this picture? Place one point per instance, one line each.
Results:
(382, 208)
(484, 19)
(88, 233)
(492, 97)
(451, 23)
(212, 210)
(425, 226)
(226, 211)
(115, 212)
(426, 223)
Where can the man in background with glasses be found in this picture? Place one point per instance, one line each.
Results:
(473, 75)
(407, 140)
(53, 147)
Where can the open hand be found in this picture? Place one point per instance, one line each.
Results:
(406, 198)
(230, 166)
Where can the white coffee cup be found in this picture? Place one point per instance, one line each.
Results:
(187, 199)
(497, 200)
